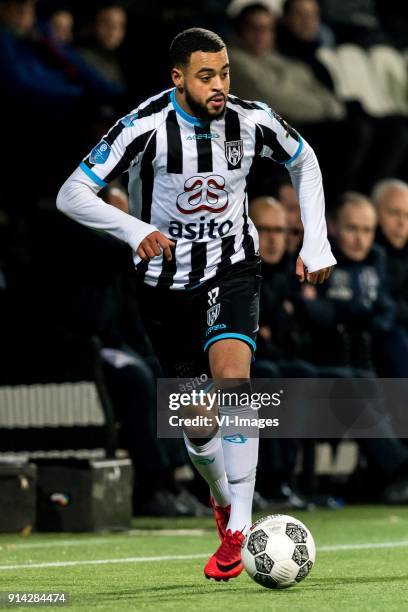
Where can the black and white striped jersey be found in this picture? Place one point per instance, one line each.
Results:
(187, 179)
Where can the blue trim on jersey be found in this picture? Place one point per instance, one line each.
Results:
(193, 287)
(92, 175)
(246, 339)
(298, 152)
(182, 113)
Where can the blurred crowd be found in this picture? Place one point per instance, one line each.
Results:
(337, 71)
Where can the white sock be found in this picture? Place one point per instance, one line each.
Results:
(209, 462)
(240, 446)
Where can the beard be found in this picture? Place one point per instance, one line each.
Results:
(200, 110)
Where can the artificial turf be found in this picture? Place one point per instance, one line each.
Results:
(371, 578)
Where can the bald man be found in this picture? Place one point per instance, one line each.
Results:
(391, 200)
(272, 244)
(353, 226)
(269, 218)
(356, 298)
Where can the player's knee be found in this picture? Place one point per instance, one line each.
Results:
(230, 358)
(230, 370)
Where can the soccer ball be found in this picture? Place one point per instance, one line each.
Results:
(278, 551)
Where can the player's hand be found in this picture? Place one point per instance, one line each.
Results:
(314, 278)
(153, 245)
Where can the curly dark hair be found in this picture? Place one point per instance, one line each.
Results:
(191, 40)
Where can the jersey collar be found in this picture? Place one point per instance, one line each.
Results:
(189, 118)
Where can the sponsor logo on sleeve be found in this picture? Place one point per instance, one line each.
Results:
(100, 153)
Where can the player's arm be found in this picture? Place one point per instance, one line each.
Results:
(287, 147)
(78, 197)
(316, 260)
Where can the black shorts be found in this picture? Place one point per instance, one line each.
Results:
(182, 325)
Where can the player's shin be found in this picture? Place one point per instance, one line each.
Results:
(240, 446)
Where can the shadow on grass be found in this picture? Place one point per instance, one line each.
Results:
(329, 583)
(184, 592)
(161, 594)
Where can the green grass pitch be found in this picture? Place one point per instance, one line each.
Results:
(361, 564)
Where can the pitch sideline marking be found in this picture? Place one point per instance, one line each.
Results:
(101, 540)
(104, 561)
(338, 547)
(334, 548)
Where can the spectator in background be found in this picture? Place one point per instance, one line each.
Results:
(354, 316)
(352, 322)
(102, 97)
(355, 306)
(270, 220)
(39, 71)
(278, 344)
(100, 49)
(298, 36)
(17, 16)
(278, 331)
(39, 102)
(62, 25)
(288, 338)
(290, 87)
(55, 26)
(260, 72)
(25, 75)
(391, 200)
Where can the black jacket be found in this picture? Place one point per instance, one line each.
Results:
(351, 308)
(279, 297)
(397, 276)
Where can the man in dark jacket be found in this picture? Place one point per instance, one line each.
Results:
(300, 33)
(353, 324)
(355, 310)
(391, 200)
(340, 328)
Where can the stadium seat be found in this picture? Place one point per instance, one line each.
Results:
(67, 418)
(391, 75)
(353, 74)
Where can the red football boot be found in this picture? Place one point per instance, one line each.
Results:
(221, 516)
(226, 563)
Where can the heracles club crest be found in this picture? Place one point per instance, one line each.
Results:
(212, 314)
(234, 151)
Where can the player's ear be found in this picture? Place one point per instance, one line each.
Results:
(178, 78)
